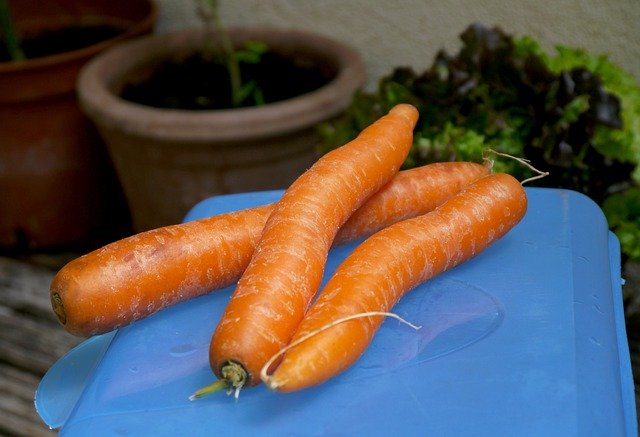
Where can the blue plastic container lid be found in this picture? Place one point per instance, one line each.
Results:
(528, 338)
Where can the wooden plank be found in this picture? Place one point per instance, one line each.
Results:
(30, 336)
(31, 340)
(18, 416)
(32, 344)
(25, 288)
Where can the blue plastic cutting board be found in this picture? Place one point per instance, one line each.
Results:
(526, 339)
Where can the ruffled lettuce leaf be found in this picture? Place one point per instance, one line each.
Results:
(574, 114)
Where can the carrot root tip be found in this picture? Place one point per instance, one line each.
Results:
(539, 174)
(488, 163)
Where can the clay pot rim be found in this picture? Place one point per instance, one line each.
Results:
(138, 27)
(103, 73)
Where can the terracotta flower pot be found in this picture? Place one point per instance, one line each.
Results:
(168, 160)
(57, 183)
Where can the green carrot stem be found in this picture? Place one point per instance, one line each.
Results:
(220, 384)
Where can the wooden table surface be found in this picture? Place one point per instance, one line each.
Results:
(31, 339)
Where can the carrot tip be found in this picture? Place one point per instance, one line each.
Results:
(539, 174)
(58, 308)
(233, 378)
(235, 374)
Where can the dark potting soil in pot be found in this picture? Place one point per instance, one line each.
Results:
(63, 40)
(198, 83)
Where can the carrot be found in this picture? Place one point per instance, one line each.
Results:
(410, 193)
(137, 276)
(286, 269)
(383, 268)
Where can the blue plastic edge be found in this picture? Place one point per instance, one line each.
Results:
(626, 372)
(75, 368)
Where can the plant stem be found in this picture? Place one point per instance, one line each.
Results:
(211, 16)
(232, 63)
(10, 38)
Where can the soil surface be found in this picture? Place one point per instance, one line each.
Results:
(198, 83)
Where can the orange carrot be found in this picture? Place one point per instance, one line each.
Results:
(286, 269)
(137, 276)
(385, 267)
(410, 193)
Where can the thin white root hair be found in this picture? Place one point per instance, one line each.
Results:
(488, 163)
(539, 174)
(266, 378)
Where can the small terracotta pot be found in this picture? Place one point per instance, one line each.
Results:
(57, 183)
(168, 160)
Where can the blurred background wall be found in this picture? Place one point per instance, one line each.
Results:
(410, 32)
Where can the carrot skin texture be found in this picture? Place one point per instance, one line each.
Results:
(135, 277)
(410, 193)
(389, 264)
(285, 272)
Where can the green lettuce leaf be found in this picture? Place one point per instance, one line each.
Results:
(571, 113)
